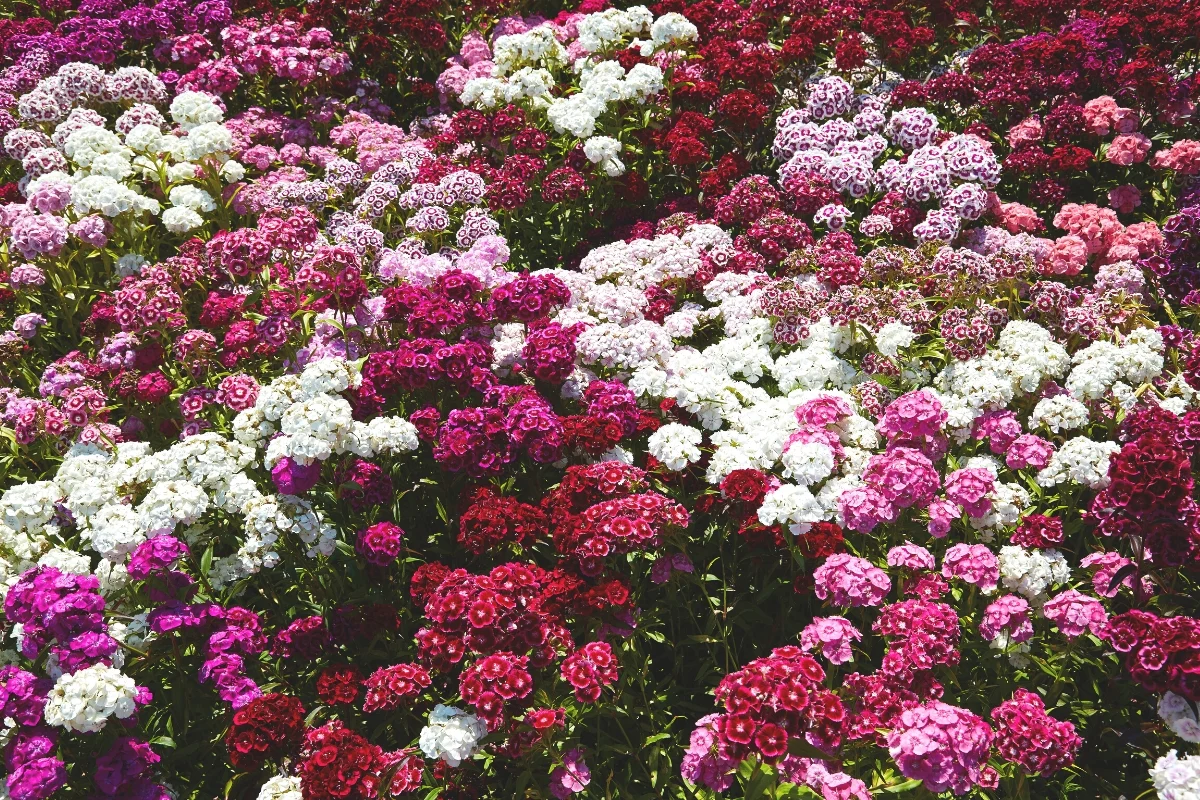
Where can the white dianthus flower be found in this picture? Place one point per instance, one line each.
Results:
(604, 151)
(675, 445)
(83, 701)
(451, 735)
(1032, 572)
(1176, 778)
(178, 219)
(169, 504)
(1080, 460)
(792, 505)
(192, 109)
(672, 27)
(68, 561)
(281, 787)
(29, 506)
(192, 197)
(893, 337)
(808, 463)
(1060, 413)
(1180, 715)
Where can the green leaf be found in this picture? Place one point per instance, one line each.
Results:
(900, 788)
(206, 559)
(799, 747)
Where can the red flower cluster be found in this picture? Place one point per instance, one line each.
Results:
(391, 687)
(588, 669)
(492, 520)
(494, 681)
(339, 685)
(267, 728)
(774, 699)
(1150, 494)
(504, 610)
(338, 764)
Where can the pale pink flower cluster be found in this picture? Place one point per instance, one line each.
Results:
(1103, 116)
(1075, 613)
(1008, 614)
(910, 556)
(942, 745)
(833, 635)
(972, 563)
(1183, 157)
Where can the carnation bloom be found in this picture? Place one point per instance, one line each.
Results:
(833, 635)
(1028, 736)
(846, 580)
(942, 745)
(1075, 613)
(973, 563)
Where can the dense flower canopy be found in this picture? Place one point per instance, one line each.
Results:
(771, 398)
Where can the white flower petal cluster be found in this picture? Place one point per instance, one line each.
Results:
(1176, 778)
(1079, 460)
(675, 445)
(451, 735)
(791, 505)
(1102, 366)
(808, 463)
(1180, 715)
(1058, 414)
(281, 787)
(1032, 572)
(529, 65)
(83, 701)
(605, 151)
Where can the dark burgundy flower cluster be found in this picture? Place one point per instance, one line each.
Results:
(1150, 494)
(1028, 736)
(1161, 653)
(492, 520)
(339, 684)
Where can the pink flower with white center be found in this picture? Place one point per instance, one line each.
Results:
(970, 489)
(942, 745)
(942, 514)
(863, 508)
(1075, 613)
(1029, 450)
(1007, 615)
(238, 391)
(834, 635)
(972, 563)
(847, 580)
(911, 556)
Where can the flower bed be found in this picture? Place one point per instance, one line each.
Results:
(781, 400)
